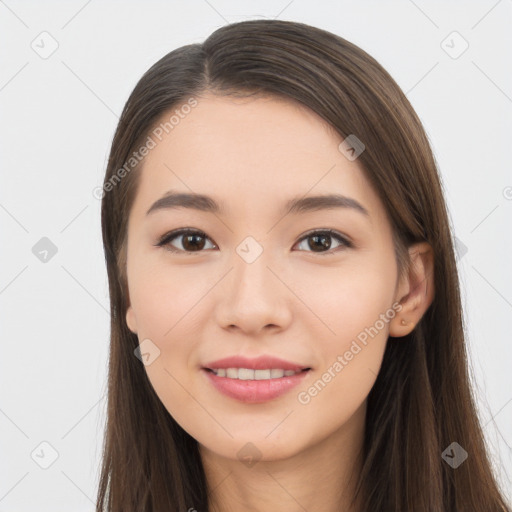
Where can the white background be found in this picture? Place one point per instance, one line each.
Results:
(58, 116)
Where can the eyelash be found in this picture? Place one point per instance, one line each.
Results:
(165, 240)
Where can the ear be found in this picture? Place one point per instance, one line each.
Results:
(131, 320)
(415, 292)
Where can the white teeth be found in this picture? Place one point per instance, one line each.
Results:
(245, 374)
(262, 374)
(232, 373)
(248, 374)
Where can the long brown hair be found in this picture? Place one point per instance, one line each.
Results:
(422, 400)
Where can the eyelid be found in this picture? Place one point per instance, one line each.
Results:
(165, 239)
(329, 231)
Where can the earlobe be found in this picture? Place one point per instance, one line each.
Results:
(130, 320)
(417, 292)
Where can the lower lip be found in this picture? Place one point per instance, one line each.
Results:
(255, 391)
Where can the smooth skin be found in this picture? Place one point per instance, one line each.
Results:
(295, 301)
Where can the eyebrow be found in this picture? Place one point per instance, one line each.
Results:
(296, 205)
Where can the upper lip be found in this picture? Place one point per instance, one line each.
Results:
(259, 363)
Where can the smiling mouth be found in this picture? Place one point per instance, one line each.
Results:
(250, 374)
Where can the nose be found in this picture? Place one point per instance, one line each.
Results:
(254, 297)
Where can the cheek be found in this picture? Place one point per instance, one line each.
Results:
(166, 298)
(169, 302)
(350, 363)
(165, 302)
(355, 300)
(355, 311)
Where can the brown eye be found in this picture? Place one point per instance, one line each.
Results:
(321, 241)
(191, 241)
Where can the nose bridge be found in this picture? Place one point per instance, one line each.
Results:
(252, 296)
(251, 273)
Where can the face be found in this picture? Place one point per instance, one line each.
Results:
(254, 279)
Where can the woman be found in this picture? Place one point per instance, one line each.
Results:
(253, 363)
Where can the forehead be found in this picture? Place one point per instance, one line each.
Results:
(251, 153)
